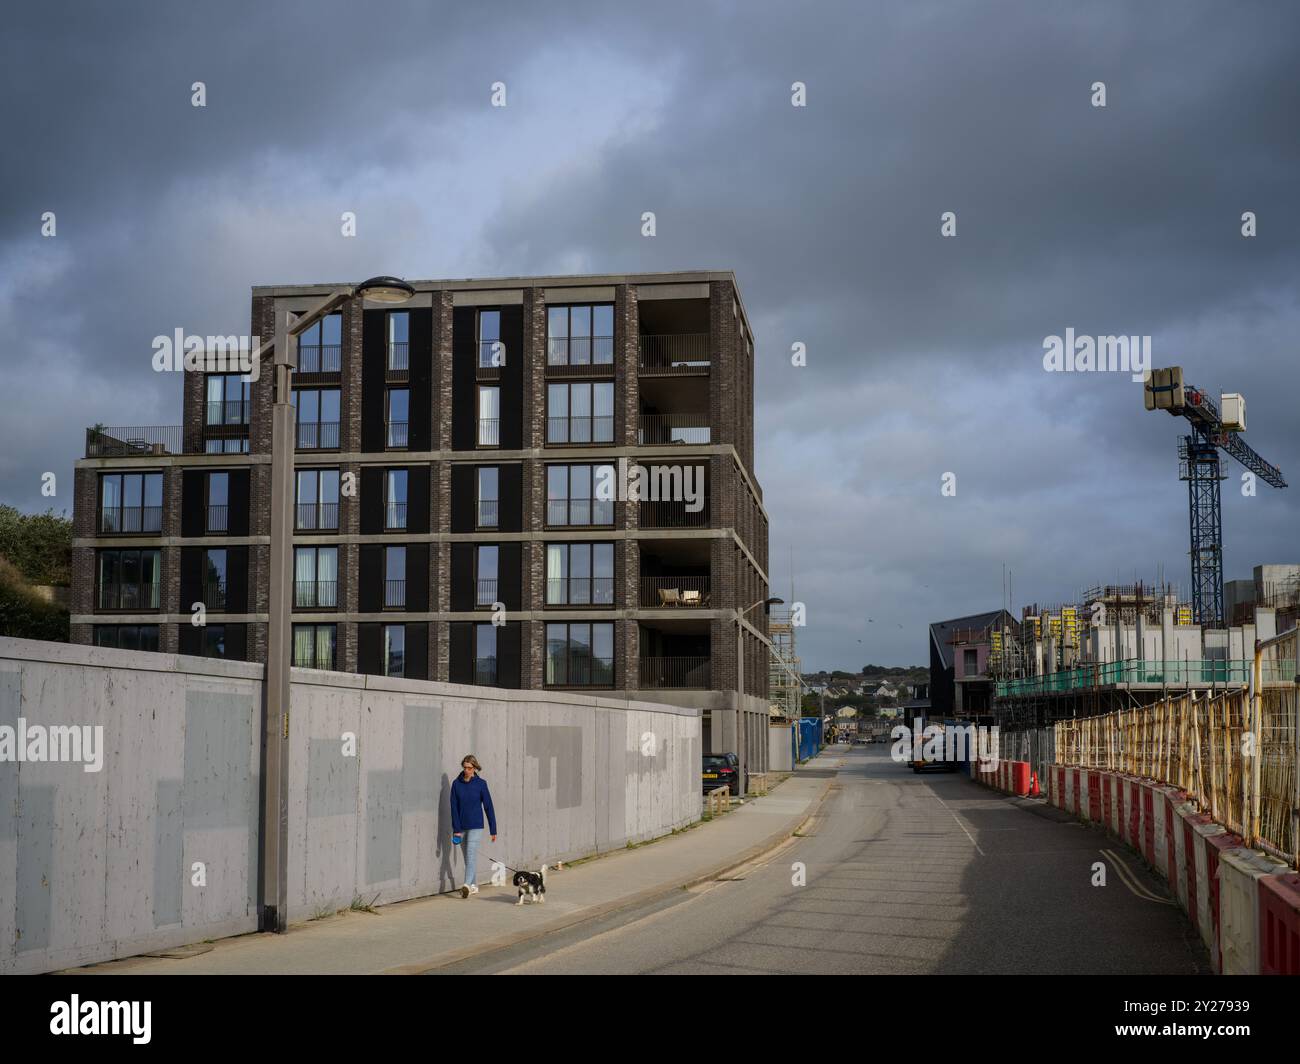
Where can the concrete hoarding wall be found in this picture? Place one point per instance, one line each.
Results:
(96, 865)
(101, 864)
(570, 775)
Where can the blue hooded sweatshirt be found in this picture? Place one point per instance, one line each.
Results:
(468, 800)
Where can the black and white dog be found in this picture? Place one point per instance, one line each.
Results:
(531, 885)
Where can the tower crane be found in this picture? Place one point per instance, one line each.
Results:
(1198, 461)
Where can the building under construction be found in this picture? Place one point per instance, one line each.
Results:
(783, 667)
(1119, 647)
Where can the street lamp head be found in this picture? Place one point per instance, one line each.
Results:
(385, 290)
(772, 602)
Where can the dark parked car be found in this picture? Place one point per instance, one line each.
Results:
(721, 770)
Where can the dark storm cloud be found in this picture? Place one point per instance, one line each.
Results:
(924, 353)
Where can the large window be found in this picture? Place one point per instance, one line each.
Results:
(489, 415)
(394, 578)
(214, 579)
(491, 351)
(313, 645)
(396, 418)
(571, 495)
(579, 574)
(580, 655)
(214, 641)
(318, 500)
(486, 560)
(130, 502)
(320, 348)
(217, 513)
(394, 650)
(580, 335)
(129, 579)
(228, 399)
(395, 481)
(316, 411)
(580, 412)
(127, 636)
(399, 336)
(488, 496)
(485, 654)
(315, 577)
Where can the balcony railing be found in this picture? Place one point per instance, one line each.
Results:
(214, 594)
(490, 355)
(673, 515)
(580, 591)
(118, 442)
(318, 516)
(487, 513)
(130, 597)
(318, 594)
(666, 672)
(229, 412)
(318, 435)
(219, 518)
(690, 592)
(676, 353)
(580, 429)
(576, 351)
(320, 358)
(485, 594)
(673, 428)
(395, 434)
(131, 519)
(485, 672)
(395, 515)
(489, 432)
(399, 356)
(562, 513)
(394, 594)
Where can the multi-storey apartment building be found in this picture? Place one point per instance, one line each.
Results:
(454, 515)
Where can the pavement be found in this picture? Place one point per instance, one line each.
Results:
(428, 934)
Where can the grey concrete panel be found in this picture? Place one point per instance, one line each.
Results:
(332, 779)
(36, 828)
(421, 756)
(383, 826)
(218, 734)
(558, 749)
(168, 853)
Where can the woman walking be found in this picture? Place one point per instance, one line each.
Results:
(469, 797)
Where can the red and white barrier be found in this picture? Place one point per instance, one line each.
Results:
(1279, 925)
(1241, 873)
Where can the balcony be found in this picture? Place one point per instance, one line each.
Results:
(229, 412)
(672, 515)
(485, 593)
(674, 592)
(120, 442)
(214, 594)
(399, 358)
(580, 356)
(491, 357)
(218, 519)
(674, 672)
(318, 436)
(315, 594)
(129, 597)
(673, 428)
(580, 429)
(394, 516)
(394, 594)
(395, 434)
(674, 353)
(131, 519)
(489, 432)
(318, 517)
(319, 359)
(487, 513)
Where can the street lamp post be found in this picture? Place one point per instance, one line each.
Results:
(275, 690)
(741, 739)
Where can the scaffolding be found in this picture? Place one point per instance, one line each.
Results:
(783, 668)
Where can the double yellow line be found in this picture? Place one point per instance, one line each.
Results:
(1131, 881)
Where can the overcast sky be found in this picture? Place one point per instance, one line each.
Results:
(925, 353)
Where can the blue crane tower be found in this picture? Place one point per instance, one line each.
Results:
(1198, 454)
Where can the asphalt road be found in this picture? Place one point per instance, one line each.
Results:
(903, 873)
